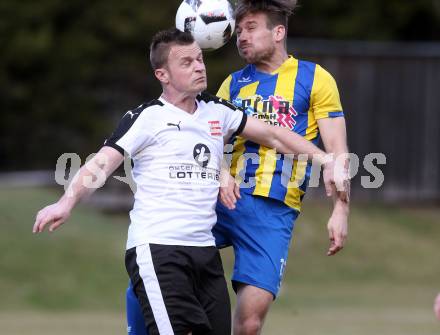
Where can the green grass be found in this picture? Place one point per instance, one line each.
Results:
(81, 265)
(73, 281)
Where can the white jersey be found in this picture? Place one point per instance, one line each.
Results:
(177, 160)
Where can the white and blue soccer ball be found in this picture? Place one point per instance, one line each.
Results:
(211, 22)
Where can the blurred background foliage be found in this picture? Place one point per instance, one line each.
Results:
(69, 70)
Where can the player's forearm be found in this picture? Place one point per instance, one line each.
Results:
(91, 176)
(341, 207)
(79, 188)
(338, 146)
(283, 140)
(288, 142)
(224, 173)
(340, 151)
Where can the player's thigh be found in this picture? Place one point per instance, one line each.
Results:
(163, 280)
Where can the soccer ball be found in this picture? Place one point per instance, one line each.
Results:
(211, 22)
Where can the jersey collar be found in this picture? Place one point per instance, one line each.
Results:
(179, 110)
(290, 61)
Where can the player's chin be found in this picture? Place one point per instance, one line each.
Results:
(200, 85)
(247, 56)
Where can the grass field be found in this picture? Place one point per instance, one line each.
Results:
(73, 281)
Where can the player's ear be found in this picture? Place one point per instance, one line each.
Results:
(162, 75)
(279, 33)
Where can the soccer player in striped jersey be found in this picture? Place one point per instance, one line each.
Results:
(290, 93)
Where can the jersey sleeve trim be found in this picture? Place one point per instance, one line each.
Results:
(241, 126)
(127, 121)
(335, 114)
(331, 115)
(114, 146)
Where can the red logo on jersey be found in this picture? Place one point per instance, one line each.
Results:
(275, 110)
(215, 128)
(285, 112)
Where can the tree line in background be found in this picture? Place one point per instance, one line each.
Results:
(70, 70)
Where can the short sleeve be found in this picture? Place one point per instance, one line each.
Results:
(225, 89)
(234, 120)
(132, 133)
(325, 101)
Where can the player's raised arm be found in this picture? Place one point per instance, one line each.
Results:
(288, 142)
(90, 177)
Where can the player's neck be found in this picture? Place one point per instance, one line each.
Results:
(184, 101)
(273, 62)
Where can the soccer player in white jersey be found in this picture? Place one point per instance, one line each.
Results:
(176, 143)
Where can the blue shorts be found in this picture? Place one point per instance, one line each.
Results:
(260, 230)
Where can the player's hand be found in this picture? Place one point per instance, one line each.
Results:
(437, 307)
(335, 175)
(53, 215)
(229, 191)
(337, 229)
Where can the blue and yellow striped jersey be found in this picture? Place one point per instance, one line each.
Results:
(294, 96)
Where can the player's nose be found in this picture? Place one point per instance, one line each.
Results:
(242, 37)
(200, 67)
